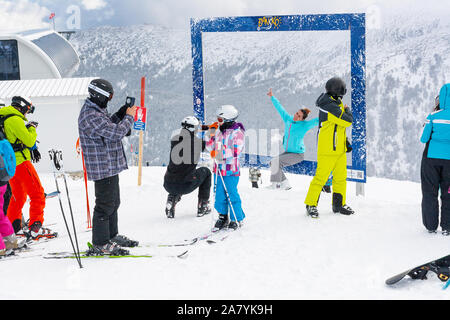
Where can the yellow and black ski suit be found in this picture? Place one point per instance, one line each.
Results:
(331, 148)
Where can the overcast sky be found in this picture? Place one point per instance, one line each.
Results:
(27, 14)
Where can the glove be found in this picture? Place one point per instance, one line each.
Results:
(349, 146)
(212, 128)
(121, 112)
(35, 154)
(215, 125)
(217, 154)
(32, 124)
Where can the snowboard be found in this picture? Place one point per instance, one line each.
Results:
(439, 266)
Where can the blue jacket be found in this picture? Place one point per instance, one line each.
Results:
(294, 131)
(437, 127)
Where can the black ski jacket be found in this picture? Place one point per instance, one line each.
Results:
(185, 150)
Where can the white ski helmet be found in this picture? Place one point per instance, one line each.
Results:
(190, 123)
(227, 113)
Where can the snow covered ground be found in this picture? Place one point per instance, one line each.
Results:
(279, 254)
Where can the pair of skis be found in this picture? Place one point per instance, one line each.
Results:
(213, 237)
(84, 255)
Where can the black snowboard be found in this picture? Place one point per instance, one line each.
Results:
(439, 266)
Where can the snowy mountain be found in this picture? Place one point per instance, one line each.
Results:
(406, 66)
(280, 253)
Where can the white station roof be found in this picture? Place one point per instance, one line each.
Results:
(45, 87)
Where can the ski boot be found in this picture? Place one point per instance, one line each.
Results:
(446, 232)
(222, 222)
(274, 186)
(14, 243)
(312, 211)
(17, 226)
(37, 232)
(284, 185)
(338, 207)
(203, 208)
(172, 200)
(124, 241)
(110, 249)
(235, 225)
(6, 253)
(345, 210)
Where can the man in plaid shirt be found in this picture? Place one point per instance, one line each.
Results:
(101, 141)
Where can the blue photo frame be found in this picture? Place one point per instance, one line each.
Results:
(354, 23)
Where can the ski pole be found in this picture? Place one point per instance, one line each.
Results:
(71, 214)
(89, 223)
(446, 285)
(80, 152)
(214, 200)
(70, 204)
(56, 167)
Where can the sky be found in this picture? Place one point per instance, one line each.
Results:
(84, 14)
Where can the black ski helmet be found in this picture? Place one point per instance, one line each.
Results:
(336, 87)
(100, 92)
(23, 104)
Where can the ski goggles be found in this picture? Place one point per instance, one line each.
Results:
(223, 120)
(101, 91)
(29, 108)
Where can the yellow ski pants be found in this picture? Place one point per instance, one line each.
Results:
(325, 165)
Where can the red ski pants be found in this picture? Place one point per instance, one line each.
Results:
(26, 183)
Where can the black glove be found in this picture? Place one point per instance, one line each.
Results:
(35, 155)
(32, 124)
(349, 146)
(122, 111)
(120, 114)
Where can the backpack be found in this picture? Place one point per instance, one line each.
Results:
(7, 156)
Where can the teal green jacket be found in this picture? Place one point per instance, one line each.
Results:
(294, 131)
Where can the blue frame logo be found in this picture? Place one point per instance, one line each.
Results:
(354, 23)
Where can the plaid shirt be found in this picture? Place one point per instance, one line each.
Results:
(101, 141)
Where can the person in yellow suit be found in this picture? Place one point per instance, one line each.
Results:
(332, 147)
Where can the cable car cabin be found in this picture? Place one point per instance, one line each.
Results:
(36, 54)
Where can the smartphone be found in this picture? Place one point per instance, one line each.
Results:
(130, 102)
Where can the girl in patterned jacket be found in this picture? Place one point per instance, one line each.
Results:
(226, 142)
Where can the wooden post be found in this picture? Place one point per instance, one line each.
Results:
(141, 134)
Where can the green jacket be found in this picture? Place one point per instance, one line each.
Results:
(17, 132)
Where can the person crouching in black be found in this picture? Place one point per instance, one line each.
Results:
(182, 175)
